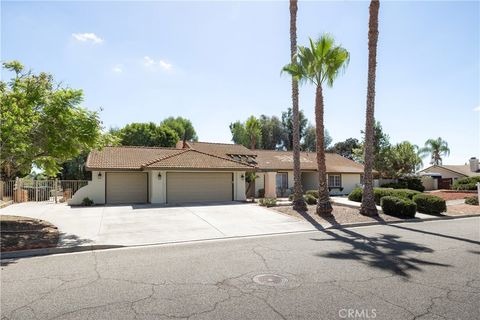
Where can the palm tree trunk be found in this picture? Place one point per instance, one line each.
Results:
(324, 207)
(368, 207)
(298, 202)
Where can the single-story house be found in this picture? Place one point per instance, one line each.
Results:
(443, 176)
(202, 171)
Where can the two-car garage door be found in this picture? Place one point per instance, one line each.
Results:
(199, 186)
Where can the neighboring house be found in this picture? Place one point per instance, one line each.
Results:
(201, 171)
(443, 176)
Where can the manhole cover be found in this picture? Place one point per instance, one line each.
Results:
(270, 279)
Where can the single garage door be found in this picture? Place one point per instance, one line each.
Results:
(199, 186)
(127, 187)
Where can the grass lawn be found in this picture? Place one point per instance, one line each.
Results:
(22, 233)
(341, 215)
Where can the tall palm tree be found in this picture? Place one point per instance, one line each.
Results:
(253, 131)
(368, 207)
(298, 202)
(320, 63)
(436, 148)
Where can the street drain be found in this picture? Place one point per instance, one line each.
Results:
(270, 279)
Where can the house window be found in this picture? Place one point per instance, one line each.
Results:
(334, 181)
(282, 180)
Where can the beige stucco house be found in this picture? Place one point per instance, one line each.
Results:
(201, 171)
(443, 176)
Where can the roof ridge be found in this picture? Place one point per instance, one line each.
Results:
(228, 144)
(143, 147)
(146, 164)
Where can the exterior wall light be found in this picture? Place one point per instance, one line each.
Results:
(242, 177)
(159, 176)
(99, 175)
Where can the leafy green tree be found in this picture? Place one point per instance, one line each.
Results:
(183, 127)
(147, 135)
(381, 146)
(253, 131)
(402, 159)
(42, 123)
(75, 169)
(239, 133)
(320, 63)
(346, 148)
(436, 149)
(310, 139)
(272, 135)
(287, 122)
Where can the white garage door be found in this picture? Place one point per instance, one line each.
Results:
(199, 186)
(127, 187)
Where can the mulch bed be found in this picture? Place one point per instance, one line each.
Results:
(449, 195)
(23, 233)
(341, 216)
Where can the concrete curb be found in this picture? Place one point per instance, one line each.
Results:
(50, 251)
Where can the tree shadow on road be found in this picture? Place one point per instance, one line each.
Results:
(387, 252)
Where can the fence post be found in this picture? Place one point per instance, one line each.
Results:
(55, 189)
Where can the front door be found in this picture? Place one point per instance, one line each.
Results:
(445, 183)
(282, 184)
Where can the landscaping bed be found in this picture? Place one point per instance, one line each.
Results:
(341, 215)
(451, 195)
(22, 233)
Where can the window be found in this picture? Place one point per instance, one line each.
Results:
(334, 180)
(361, 179)
(282, 180)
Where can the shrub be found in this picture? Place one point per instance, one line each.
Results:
(394, 185)
(310, 199)
(413, 183)
(87, 202)
(261, 193)
(313, 193)
(268, 202)
(379, 193)
(396, 206)
(290, 197)
(473, 200)
(356, 195)
(427, 203)
(467, 183)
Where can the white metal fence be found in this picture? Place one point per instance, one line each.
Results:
(23, 190)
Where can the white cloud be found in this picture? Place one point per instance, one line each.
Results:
(164, 65)
(477, 108)
(84, 37)
(149, 62)
(118, 68)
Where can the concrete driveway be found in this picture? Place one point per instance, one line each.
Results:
(127, 225)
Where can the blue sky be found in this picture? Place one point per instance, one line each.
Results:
(218, 62)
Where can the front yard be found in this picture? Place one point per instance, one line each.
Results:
(451, 195)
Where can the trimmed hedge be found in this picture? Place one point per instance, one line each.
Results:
(399, 207)
(310, 199)
(412, 183)
(430, 204)
(473, 200)
(356, 195)
(379, 193)
(468, 183)
(313, 193)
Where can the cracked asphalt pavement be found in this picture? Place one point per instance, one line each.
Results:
(428, 270)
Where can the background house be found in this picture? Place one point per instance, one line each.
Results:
(443, 176)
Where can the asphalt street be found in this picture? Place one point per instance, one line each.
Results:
(426, 270)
